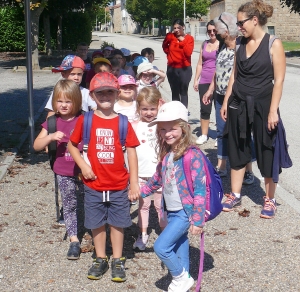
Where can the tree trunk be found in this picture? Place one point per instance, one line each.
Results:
(59, 33)
(35, 16)
(46, 21)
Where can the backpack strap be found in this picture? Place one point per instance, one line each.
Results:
(51, 125)
(87, 123)
(123, 129)
(187, 170)
(271, 41)
(198, 286)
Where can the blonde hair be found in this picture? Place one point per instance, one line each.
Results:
(70, 90)
(259, 9)
(187, 140)
(150, 94)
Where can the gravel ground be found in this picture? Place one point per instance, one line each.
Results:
(241, 253)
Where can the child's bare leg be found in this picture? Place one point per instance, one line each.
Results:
(99, 236)
(117, 239)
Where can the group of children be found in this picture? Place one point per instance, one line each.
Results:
(158, 136)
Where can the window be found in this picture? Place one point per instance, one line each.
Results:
(271, 30)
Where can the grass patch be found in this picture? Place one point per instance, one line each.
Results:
(291, 46)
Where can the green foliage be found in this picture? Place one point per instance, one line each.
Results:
(106, 44)
(291, 46)
(294, 5)
(77, 28)
(12, 27)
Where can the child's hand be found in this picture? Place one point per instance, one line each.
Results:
(57, 136)
(88, 173)
(196, 230)
(134, 192)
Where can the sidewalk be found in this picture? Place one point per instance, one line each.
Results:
(241, 253)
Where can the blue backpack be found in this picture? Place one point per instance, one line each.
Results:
(87, 123)
(214, 196)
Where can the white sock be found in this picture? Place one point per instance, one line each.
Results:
(238, 195)
(144, 233)
(205, 136)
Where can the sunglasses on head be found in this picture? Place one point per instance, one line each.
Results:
(211, 30)
(223, 21)
(241, 23)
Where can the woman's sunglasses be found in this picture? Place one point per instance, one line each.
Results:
(211, 31)
(241, 23)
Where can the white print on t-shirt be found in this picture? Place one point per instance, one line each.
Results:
(105, 143)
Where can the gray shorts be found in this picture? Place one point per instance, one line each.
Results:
(111, 207)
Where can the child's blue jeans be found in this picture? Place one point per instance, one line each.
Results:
(172, 246)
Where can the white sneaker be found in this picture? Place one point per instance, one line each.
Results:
(216, 143)
(141, 242)
(181, 283)
(201, 140)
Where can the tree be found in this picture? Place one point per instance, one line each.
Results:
(294, 5)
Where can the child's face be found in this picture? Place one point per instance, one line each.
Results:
(105, 99)
(101, 68)
(170, 132)
(147, 77)
(106, 53)
(82, 52)
(128, 92)
(148, 112)
(116, 71)
(74, 74)
(65, 107)
(121, 59)
(150, 57)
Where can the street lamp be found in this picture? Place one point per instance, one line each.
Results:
(153, 26)
(105, 18)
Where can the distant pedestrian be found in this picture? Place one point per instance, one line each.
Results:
(252, 101)
(66, 103)
(178, 47)
(185, 211)
(105, 177)
(205, 72)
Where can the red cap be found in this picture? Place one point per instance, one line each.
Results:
(69, 62)
(103, 81)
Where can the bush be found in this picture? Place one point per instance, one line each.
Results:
(12, 27)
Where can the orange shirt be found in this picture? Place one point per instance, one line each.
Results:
(178, 53)
(105, 153)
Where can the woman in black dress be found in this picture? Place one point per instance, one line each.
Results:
(252, 101)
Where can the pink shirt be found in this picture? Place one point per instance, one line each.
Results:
(208, 65)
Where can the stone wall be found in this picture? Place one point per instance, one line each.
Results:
(283, 23)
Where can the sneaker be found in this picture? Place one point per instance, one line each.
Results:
(74, 251)
(216, 143)
(201, 140)
(231, 201)
(118, 270)
(98, 268)
(269, 209)
(248, 178)
(221, 172)
(181, 283)
(141, 242)
(133, 202)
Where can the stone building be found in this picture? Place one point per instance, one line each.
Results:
(283, 23)
(121, 21)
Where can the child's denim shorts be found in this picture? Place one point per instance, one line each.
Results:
(111, 207)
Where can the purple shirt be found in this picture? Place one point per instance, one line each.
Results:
(208, 65)
(64, 163)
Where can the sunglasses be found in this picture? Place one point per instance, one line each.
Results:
(223, 22)
(211, 30)
(241, 23)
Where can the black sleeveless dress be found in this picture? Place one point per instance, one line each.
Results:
(248, 108)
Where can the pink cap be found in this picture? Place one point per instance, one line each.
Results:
(126, 79)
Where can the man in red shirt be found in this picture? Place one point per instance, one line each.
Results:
(105, 176)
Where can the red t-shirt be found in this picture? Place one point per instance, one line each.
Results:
(178, 53)
(105, 153)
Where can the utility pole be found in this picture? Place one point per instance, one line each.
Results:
(184, 12)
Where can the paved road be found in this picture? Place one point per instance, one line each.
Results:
(289, 105)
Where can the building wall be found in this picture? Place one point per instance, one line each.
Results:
(285, 24)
